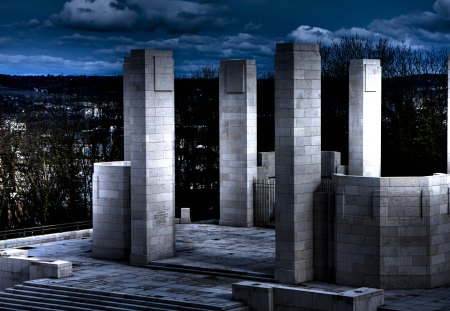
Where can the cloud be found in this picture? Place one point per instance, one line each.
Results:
(193, 51)
(45, 64)
(91, 41)
(182, 16)
(173, 16)
(442, 7)
(250, 27)
(32, 23)
(309, 34)
(97, 15)
(4, 40)
(418, 28)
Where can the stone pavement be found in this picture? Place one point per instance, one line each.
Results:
(208, 246)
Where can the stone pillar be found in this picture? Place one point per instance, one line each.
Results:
(237, 144)
(364, 117)
(149, 110)
(448, 117)
(111, 210)
(298, 158)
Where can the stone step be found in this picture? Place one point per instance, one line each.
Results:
(140, 302)
(12, 306)
(24, 303)
(56, 295)
(230, 273)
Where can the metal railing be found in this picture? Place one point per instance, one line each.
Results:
(263, 203)
(25, 232)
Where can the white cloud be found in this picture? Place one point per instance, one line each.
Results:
(310, 34)
(103, 15)
(418, 28)
(45, 64)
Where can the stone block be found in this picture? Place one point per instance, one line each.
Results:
(56, 269)
(185, 215)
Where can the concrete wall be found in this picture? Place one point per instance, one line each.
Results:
(111, 210)
(392, 232)
(148, 90)
(364, 117)
(298, 158)
(237, 141)
(266, 165)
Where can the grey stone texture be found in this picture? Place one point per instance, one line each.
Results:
(16, 267)
(111, 210)
(392, 232)
(365, 117)
(185, 215)
(237, 141)
(266, 165)
(298, 158)
(331, 161)
(268, 297)
(149, 131)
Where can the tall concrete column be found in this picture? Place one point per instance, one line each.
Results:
(448, 118)
(364, 118)
(148, 88)
(237, 144)
(297, 158)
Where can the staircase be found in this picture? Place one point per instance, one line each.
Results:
(36, 296)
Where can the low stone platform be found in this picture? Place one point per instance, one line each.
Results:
(200, 245)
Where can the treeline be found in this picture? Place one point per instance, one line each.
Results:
(51, 136)
(414, 103)
(48, 144)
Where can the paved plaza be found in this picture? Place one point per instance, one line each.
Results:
(249, 251)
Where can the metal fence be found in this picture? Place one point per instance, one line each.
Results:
(19, 233)
(263, 203)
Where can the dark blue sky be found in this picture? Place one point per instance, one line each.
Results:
(92, 36)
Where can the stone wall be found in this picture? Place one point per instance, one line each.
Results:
(392, 232)
(111, 210)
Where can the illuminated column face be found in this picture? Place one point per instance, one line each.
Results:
(237, 143)
(297, 158)
(365, 117)
(149, 132)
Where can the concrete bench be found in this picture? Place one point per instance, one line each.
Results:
(269, 297)
(16, 267)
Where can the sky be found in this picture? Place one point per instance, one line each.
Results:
(91, 37)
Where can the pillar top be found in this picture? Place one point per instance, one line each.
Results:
(364, 61)
(292, 47)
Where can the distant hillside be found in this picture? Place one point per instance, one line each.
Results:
(105, 87)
